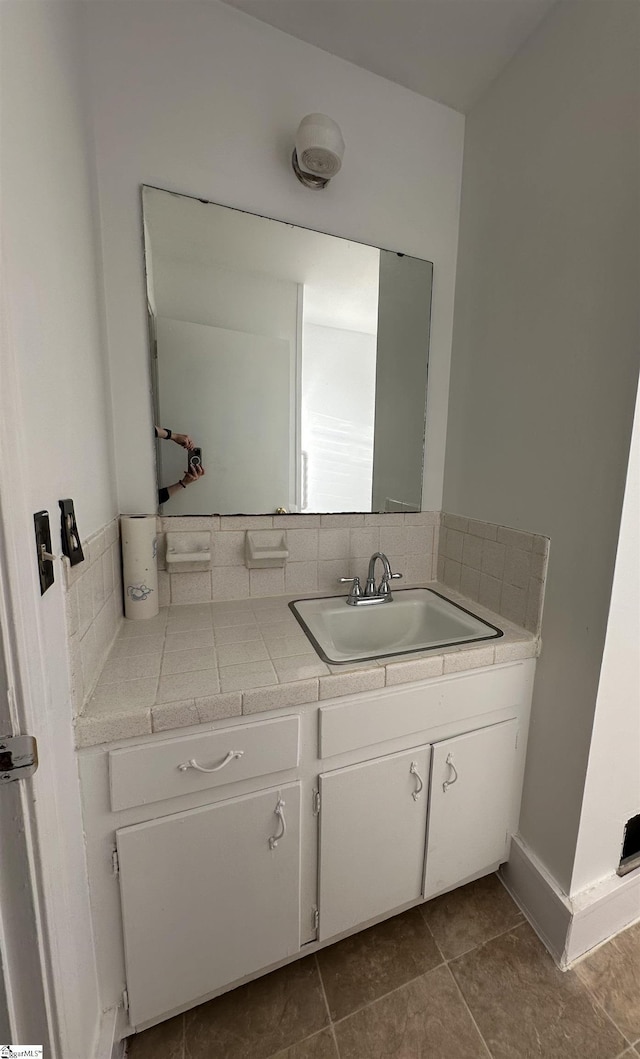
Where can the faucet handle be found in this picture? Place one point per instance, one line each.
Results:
(355, 581)
(386, 578)
(356, 590)
(384, 588)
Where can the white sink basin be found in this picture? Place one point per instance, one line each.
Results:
(416, 619)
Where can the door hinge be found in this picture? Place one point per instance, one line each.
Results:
(18, 757)
(316, 803)
(125, 999)
(517, 734)
(115, 862)
(316, 917)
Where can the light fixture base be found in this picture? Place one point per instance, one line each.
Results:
(316, 183)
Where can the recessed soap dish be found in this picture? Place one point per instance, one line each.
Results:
(264, 548)
(188, 548)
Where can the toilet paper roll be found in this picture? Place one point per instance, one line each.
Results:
(139, 565)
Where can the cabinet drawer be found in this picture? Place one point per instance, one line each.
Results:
(390, 714)
(151, 773)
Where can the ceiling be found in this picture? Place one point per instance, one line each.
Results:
(448, 50)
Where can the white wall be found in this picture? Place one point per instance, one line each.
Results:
(54, 437)
(239, 301)
(545, 360)
(52, 278)
(233, 388)
(246, 303)
(200, 98)
(337, 412)
(612, 791)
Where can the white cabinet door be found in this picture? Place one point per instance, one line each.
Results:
(372, 838)
(206, 899)
(470, 805)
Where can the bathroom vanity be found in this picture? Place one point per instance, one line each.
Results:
(223, 850)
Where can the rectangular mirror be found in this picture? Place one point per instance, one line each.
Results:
(295, 360)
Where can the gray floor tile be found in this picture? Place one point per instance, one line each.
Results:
(261, 1018)
(376, 961)
(320, 1046)
(471, 915)
(526, 1008)
(612, 974)
(425, 1019)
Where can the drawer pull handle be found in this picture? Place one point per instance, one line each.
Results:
(193, 764)
(414, 772)
(279, 811)
(449, 783)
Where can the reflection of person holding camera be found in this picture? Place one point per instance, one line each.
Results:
(192, 474)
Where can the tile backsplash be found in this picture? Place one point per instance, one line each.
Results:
(93, 602)
(501, 568)
(322, 548)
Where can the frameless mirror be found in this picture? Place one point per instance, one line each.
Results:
(296, 361)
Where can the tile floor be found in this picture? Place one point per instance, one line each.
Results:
(462, 977)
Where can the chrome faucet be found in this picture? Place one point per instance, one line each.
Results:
(371, 594)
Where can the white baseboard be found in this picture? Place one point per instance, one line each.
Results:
(569, 927)
(602, 912)
(538, 895)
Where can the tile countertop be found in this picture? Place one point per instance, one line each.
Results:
(203, 662)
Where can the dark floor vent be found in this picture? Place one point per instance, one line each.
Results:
(630, 847)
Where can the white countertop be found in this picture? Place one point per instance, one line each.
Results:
(203, 662)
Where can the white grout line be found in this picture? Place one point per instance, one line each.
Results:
(604, 1011)
(500, 934)
(297, 1044)
(397, 989)
(430, 932)
(326, 1003)
(404, 984)
(470, 1013)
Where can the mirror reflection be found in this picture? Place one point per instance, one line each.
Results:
(289, 366)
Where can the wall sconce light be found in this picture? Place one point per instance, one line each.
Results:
(318, 152)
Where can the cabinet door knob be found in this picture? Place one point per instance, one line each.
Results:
(192, 763)
(413, 769)
(454, 773)
(279, 812)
